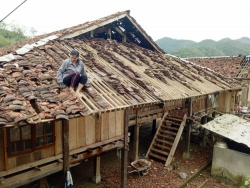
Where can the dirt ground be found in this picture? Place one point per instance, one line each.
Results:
(158, 177)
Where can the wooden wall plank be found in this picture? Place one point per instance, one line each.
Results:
(112, 124)
(105, 126)
(48, 152)
(221, 101)
(119, 122)
(98, 128)
(2, 160)
(73, 134)
(23, 159)
(12, 162)
(81, 132)
(90, 130)
(58, 135)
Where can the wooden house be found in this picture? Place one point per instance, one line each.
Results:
(45, 129)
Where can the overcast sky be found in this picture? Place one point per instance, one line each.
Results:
(179, 19)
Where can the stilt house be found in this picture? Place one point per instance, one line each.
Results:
(45, 129)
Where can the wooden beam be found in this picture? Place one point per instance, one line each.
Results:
(124, 37)
(31, 175)
(96, 152)
(125, 152)
(85, 30)
(144, 34)
(82, 149)
(65, 125)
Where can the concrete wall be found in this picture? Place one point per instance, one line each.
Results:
(230, 164)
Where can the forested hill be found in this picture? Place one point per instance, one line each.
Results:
(205, 48)
(12, 33)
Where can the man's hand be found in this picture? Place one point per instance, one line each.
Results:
(62, 85)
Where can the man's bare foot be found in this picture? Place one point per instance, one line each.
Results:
(72, 89)
(78, 94)
(87, 85)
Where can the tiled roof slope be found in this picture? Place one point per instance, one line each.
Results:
(228, 66)
(122, 75)
(91, 24)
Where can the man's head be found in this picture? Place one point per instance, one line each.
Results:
(74, 55)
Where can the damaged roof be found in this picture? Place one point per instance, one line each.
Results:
(122, 75)
(231, 127)
(229, 66)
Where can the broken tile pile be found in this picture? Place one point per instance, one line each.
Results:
(161, 66)
(97, 98)
(104, 52)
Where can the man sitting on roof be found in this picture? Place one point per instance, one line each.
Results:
(72, 73)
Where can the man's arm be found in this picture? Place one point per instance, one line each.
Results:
(60, 72)
(84, 74)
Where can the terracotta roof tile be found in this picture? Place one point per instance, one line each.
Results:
(228, 66)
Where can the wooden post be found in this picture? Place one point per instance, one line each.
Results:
(136, 138)
(154, 126)
(42, 183)
(190, 111)
(91, 33)
(125, 152)
(97, 170)
(109, 33)
(5, 149)
(204, 121)
(124, 38)
(65, 125)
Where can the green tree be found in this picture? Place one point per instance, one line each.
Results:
(13, 33)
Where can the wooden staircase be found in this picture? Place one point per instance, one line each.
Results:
(166, 139)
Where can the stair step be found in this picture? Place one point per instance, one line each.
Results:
(164, 136)
(162, 146)
(169, 127)
(157, 156)
(159, 151)
(164, 141)
(168, 132)
(171, 123)
(173, 119)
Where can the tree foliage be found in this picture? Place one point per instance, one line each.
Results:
(12, 33)
(205, 48)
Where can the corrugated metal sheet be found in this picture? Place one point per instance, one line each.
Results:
(232, 127)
